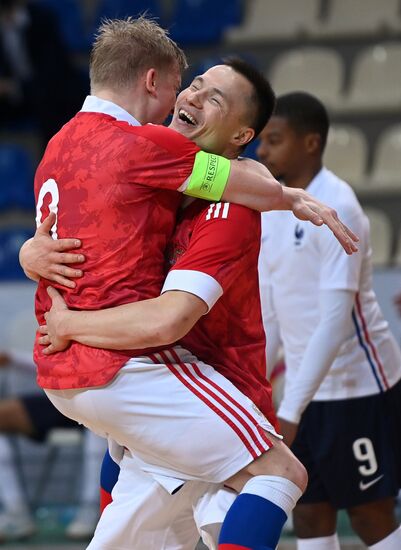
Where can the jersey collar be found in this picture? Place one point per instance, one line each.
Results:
(93, 104)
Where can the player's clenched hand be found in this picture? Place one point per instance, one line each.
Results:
(306, 207)
(288, 430)
(51, 333)
(45, 257)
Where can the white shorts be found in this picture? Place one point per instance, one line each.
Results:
(176, 414)
(143, 515)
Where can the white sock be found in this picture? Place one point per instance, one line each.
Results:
(391, 542)
(319, 543)
(279, 490)
(12, 495)
(94, 448)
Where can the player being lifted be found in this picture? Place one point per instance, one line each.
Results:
(68, 378)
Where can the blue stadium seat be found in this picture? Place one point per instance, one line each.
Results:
(233, 12)
(198, 21)
(71, 22)
(11, 239)
(16, 176)
(122, 8)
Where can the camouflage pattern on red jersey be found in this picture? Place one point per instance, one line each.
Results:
(113, 185)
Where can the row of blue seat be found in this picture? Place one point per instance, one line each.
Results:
(16, 176)
(11, 240)
(190, 21)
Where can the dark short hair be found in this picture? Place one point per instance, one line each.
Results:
(304, 113)
(263, 99)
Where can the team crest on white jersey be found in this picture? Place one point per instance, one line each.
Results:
(299, 235)
(218, 210)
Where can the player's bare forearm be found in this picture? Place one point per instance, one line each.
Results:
(24, 260)
(156, 322)
(252, 185)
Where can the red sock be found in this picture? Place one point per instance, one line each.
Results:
(232, 547)
(105, 500)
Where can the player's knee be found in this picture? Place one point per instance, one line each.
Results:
(280, 461)
(298, 473)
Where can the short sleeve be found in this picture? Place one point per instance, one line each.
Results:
(162, 158)
(223, 237)
(337, 269)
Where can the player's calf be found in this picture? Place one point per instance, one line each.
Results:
(269, 490)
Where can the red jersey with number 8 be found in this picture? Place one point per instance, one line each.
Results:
(114, 186)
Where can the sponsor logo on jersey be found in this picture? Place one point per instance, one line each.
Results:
(364, 485)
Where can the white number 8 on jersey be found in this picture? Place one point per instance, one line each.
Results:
(50, 186)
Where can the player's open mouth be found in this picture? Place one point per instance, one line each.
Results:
(186, 117)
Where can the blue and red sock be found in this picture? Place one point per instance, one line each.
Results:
(256, 518)
(108, 478)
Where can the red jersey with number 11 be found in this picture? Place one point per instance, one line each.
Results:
(214, 255)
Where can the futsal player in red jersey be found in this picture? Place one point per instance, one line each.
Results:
(91, 180)
(114, 183)
(231, 254)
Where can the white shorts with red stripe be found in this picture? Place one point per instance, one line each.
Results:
(177, 415)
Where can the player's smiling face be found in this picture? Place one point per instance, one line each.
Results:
(212, 111)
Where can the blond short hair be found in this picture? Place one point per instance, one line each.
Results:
(125, 48)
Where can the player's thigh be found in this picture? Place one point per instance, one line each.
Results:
(144, 515)
(314, 520)
(393, 416)
(374, 521)
(348, 452)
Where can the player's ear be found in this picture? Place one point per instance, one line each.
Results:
(313, 143)
(150, 81)
(244, 136)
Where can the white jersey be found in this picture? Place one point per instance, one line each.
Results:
(300, 260)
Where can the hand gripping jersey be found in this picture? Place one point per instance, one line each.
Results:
(114, 186)
(214, 255)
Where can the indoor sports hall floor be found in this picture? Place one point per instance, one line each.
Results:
(51, 522)
(50, 536)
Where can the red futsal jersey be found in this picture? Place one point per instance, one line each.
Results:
(214, 255)
(113, 185)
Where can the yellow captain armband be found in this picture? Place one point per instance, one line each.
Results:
(209, 176)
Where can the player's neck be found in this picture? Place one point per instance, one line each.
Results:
(302, 179)
(122, 100)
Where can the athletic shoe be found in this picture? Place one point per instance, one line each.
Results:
(84, 524)
(16, 526)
